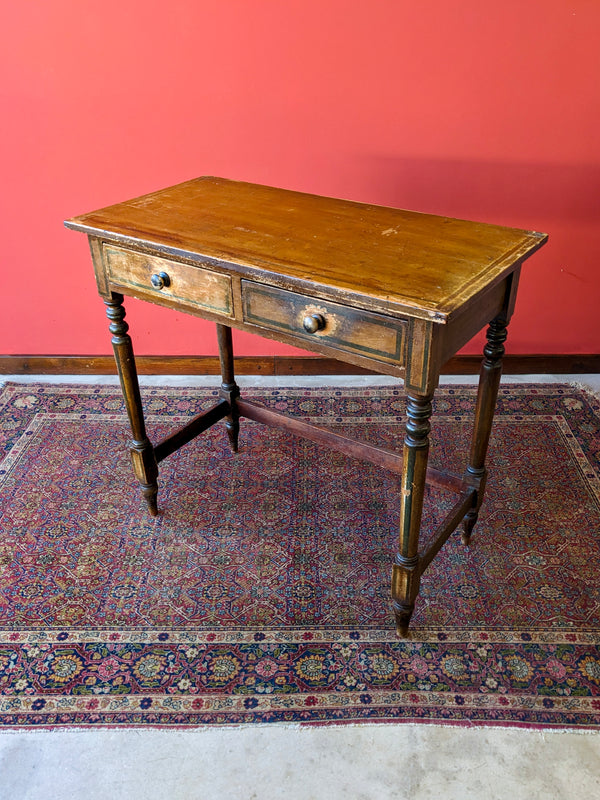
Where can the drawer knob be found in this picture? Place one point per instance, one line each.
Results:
(160, 280)
(313, 323)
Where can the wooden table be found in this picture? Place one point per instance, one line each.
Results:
(395, 291)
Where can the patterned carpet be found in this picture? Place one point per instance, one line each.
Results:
(261, 592)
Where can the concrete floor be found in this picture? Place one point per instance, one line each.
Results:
(278, 761)
(270, 762)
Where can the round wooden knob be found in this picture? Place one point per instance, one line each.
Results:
(313, 323)
(160, 280)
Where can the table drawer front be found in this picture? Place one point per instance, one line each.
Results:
(188, 284)
(342, 327)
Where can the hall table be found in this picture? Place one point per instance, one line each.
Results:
(395, 291)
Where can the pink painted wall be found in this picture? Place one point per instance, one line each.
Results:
(474, 109)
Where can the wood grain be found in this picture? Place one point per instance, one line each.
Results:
(429, 264)
(360, 332)
(187, 284)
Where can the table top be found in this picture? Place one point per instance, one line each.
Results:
(429, 263)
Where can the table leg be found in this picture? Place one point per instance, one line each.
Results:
(142, 452)
(406, 571)
(487, 394)
(229, 389)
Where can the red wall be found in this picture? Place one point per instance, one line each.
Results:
(473, 109)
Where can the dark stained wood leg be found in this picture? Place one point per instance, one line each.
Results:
(229, 389)
(406, 571)
(489, 383)
(142, 452)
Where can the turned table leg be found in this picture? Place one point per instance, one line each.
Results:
(487, 394)
(142, 452)
(406, 571)
(229, 389)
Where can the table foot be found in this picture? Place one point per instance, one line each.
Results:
(150, 492)
(232, 426)
(146, 471)
(468, 524)
(403, 613)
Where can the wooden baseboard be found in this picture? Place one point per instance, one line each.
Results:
(281, 365)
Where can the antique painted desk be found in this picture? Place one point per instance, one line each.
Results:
(395, 291)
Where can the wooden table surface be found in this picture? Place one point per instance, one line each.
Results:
(428, 265)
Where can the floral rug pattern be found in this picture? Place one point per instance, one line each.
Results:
(261, 592)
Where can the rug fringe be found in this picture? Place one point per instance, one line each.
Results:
(586, 389)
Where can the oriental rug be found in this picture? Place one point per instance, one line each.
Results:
(261, 592)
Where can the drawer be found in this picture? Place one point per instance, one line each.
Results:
(188, 284)
(339, 327)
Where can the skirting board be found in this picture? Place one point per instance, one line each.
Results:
(281, 365)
